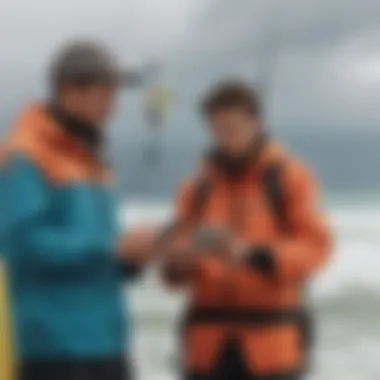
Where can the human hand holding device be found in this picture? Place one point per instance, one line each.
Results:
(220, 242)
(138, 244)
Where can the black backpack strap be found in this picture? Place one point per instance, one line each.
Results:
(272, 183)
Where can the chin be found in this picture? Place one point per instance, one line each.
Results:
(234, 151)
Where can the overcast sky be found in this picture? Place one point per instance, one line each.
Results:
(326, 72)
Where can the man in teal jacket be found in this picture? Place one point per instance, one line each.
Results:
(66, 265)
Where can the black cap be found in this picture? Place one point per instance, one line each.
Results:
(86, 62)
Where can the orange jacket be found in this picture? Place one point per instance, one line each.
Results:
(242, 206)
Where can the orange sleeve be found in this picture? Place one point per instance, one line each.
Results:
(173, 273)
(308, 244)
(183, 200)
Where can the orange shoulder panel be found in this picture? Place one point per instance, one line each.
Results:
(59, 156)
(300, 183)
(310, 244)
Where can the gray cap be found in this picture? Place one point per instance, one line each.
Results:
(86, 62)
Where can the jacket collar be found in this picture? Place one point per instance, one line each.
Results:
(36, 127)
(235, 167)
(85, 133)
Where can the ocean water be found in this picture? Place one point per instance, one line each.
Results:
(345, 297)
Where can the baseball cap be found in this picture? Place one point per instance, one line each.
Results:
(88, 62)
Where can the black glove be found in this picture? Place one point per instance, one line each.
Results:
(261, 257)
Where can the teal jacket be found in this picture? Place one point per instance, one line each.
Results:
(60, 248)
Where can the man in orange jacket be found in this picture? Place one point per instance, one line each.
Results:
(248, 236)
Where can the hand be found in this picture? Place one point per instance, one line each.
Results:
(179, 259)
(221, 243)
(236, 250)
(138, 244)
(211, 239)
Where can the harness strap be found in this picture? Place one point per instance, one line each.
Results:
(255, 317)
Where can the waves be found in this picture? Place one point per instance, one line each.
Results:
(351, 281)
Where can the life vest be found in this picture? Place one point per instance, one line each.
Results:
(265, 313)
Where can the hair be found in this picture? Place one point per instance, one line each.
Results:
(232, 94)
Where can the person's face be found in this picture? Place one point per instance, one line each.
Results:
(94, 103)
(233, 129)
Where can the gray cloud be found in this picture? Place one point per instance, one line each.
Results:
(319, 75)
(323, 71)
(29, 32)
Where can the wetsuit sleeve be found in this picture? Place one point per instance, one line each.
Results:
(307, 246)
(31, 229)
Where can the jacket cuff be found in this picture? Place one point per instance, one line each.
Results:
(132, 271)
(174, 274)
(261, 257)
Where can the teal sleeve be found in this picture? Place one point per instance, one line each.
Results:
(30, 227)
(130, 271)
